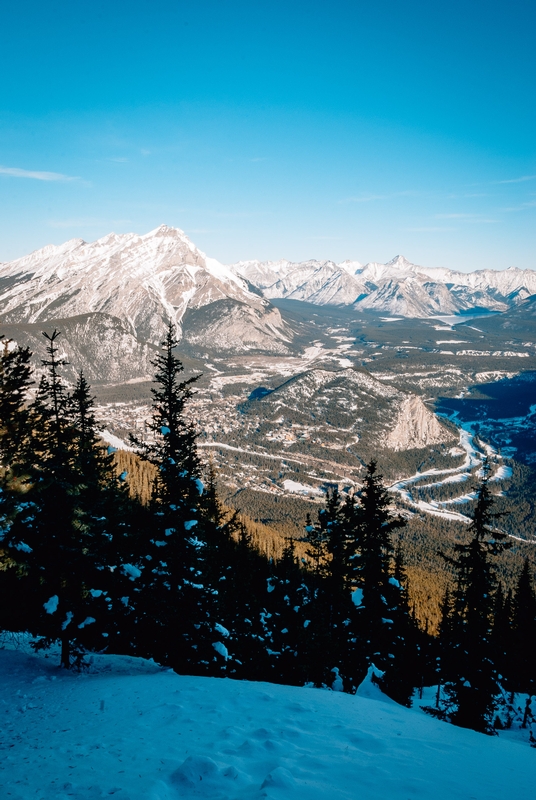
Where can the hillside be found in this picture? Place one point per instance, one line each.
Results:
(130, 729)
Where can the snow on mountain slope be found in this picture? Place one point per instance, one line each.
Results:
(131, 730)
(411, 297)
(91, 343)
(141, 280)
(346, 382)
(319, 282)
(397, 287)
(146, 280)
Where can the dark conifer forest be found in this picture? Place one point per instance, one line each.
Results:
(170, 573)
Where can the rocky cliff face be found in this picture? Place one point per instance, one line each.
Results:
(319, 282)
(416, 427)
(230, 327)
(97, 344)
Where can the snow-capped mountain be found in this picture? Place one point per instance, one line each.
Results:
(125, 288)
(319, 282)
(397, 287)
(142, 281)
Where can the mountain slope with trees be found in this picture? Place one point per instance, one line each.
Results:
(178, 579)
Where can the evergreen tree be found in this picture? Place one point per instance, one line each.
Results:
(246, 592)
(329, 606)
(174, 617)
(381, 597)
(446, 666)
(473, 686)
(105, 517)
(221, 529)
(524, 633)
(315, 536)
(288, 603)
(15, 380)
(56, 536)
(501, 636)
(15, 435)
(402, 674)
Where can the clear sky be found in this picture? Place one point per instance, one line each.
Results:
(273, 128)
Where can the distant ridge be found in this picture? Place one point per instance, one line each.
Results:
(143, 281)
(397, 287)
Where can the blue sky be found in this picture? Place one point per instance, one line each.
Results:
(273, 129)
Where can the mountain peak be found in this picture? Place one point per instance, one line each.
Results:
(399, 261)
(350, 266)
(166, 230)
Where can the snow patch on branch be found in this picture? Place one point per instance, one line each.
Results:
(131, 571)
(87, 621)
(220, 648)
(51, 605)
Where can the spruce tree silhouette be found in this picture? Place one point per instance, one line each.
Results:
(15, 436)
(524, 632)
(54, 537)
(174, 617)
(381, 595)
(473, 686)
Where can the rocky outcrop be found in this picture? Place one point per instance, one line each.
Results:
(416, 427)
(227, 326)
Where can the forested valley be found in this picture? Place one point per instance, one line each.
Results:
(137, 554)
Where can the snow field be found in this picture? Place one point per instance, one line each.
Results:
(300, 488)
(131, 730)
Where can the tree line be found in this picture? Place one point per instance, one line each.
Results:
(178, 578)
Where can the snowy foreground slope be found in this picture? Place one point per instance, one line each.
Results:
(130, 729)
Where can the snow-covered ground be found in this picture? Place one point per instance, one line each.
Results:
(131, 730)
(294, 487)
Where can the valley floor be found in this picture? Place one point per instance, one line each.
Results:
(131, 730)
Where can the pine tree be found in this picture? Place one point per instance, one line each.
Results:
(330, 605)
(445, 659)
(315, 536)
(402, 674)
(174, 616)
(501, 636)
(245, 590)
(174, 450)
(15, 380)
(473, 687)
(381, 596)
(106, 519)
(56, 536)
(524, 633)
(287, 602)
(15, 435)
(221, 528)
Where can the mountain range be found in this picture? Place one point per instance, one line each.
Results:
(145, 280)
(309, 369)
(125, 288)
(398, 287)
